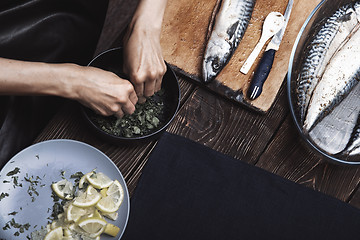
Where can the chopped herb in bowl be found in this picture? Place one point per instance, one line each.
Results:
(147, 117)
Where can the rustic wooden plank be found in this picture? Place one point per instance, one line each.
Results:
(69, 124)
(184, 39)
(289, 157)
(355, 199)
(226, 127)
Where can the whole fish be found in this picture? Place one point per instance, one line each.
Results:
(326, 42)
(353, 147)
(333, 133)
(340, 76)
(231, 22)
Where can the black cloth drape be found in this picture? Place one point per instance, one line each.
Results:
(189, 191)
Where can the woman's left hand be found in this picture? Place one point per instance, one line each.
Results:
(143, 59)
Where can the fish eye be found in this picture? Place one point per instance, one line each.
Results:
(216, 65)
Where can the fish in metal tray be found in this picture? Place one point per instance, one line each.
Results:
(333, 133)
(353, 147)
(231, 22)
(332, 34)
(339, 77)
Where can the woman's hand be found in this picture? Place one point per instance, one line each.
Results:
(105, 92)
(143, 59)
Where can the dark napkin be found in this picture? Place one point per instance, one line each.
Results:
(189, 191)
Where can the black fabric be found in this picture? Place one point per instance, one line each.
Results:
(52, 31)
(188, 191)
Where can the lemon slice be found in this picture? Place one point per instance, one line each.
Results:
(67, 232)
(113, 216)
(98, 180)
(54, 234)
(82, 181)
(78, 231)
(68, 238)
(63, 189)
(103, 192)
(89, 238)
(111, 229)
(97, 214)
(88, 198)
(113, 200)
(74, 213)
(93, 226)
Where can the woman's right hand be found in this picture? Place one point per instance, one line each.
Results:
(101, 90)
(104, 92)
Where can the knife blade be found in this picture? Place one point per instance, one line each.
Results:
(266, 62)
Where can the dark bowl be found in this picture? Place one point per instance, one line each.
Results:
(111, 60)
(324, 10)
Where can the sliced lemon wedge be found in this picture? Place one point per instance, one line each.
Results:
(113, 216)
(111, 229)
(63, 189)
(113, 200)
(88, 198)
(98, 180)
(54, 234)
(82, 181)
(93, 226)
(74, 213)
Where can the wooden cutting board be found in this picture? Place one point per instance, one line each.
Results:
(183, 42)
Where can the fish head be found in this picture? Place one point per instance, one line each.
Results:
(211, 68)
(214, 61)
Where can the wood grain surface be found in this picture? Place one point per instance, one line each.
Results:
(269, 141)
(183, 41)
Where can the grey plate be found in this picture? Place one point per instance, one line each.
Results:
(47, 160)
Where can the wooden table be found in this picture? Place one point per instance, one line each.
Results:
(268, 141)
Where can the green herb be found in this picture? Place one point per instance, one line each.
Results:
(77, 176)
(16, 181)
(3, 195)
(55, 197)
(13, 224)
(57, 209)
(13, 172)
(33, 184)
(146, 118)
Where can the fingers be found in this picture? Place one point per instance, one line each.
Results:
(119, 114)
(126, 104)
(146, 83)
(149, 88)
(158, 83)
(133, 97)
(142, 99)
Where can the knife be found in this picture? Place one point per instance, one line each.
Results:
(267, 59)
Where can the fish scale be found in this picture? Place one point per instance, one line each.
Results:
(353, 147)
(230, 25)
(340, 76)
(333, 133)
(320, 50)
